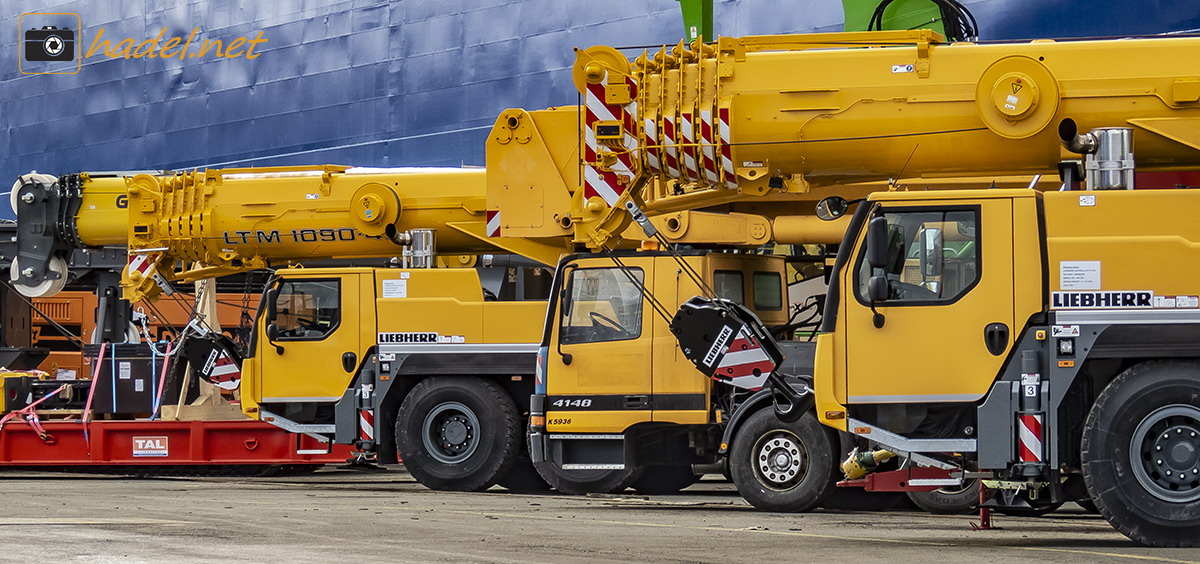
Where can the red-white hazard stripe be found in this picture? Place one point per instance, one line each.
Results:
(493, 223)
(366, 425)
(727, 173)
(225, 372)
(142, 263)
(651, 146)
(687, 131)
(706, 147)
(745, 364)
(1029, 437)
(671, 144)
(605, 183)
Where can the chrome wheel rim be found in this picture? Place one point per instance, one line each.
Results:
(780, 460)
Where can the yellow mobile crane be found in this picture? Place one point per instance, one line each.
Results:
(752, 130)
(423, 363)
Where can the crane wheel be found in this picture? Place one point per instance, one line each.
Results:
(662, 479)
(458, 433)
(783, 467)
(1141, 453)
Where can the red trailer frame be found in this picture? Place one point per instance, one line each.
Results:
(163, 443)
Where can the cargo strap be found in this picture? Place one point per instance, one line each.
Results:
(29, 415)
(87, 408)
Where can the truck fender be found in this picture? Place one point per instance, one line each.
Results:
(760, 400)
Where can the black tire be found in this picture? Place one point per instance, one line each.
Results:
(949, 501)
(523, 477)
(1088, 505)
(581, 482)
(1150, 406)
(458, 433)
(665, 479)
(782, 467)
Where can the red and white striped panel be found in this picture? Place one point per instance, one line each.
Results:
(671, 144)
(143, 263)
(745, 364)
(605, 183)
(650, 143)
(688, 134)
(1029, 437)
(493, 222)
(366, 425)
(706, 147)
(727, 174)
(225, 373)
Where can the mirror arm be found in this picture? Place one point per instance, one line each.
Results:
(877, 319)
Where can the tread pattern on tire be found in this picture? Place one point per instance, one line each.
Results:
(1101, 468)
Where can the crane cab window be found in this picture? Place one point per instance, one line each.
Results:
(768, 291)
(932, 256)
(602, 304)
(307, 310)
(727, 284)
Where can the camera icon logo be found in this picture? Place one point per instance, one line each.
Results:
(49, 44)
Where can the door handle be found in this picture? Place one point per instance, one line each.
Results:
(995, 336)
(349, 362)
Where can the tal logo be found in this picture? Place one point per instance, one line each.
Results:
(150, 446)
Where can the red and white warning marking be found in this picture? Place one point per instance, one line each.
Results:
(687, 131)
(493, 222)
(651, 146)
(727, 173)
(143, 263)
(745, 364)
(671, 145)
(366, 425)
(226, 373)
(1029, 437)
(609, 184)
(706, 147)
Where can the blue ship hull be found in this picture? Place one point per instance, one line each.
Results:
(412, 82)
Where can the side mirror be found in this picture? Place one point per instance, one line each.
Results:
(877, 242)
(272, 335)
(877, 288)
(931, 251)
(272, 304)
(831, 208)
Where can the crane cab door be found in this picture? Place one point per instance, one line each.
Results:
(598, 365)
(317, 340)
(948, 311)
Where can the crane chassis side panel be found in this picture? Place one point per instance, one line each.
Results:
(1096, 336)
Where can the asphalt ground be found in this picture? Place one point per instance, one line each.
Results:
(339, 515)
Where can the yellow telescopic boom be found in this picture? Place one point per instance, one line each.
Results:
(759, 117)
(234, 220)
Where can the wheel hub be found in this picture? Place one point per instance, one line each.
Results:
(779, 460)
(450, 433)
(1165, 453)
